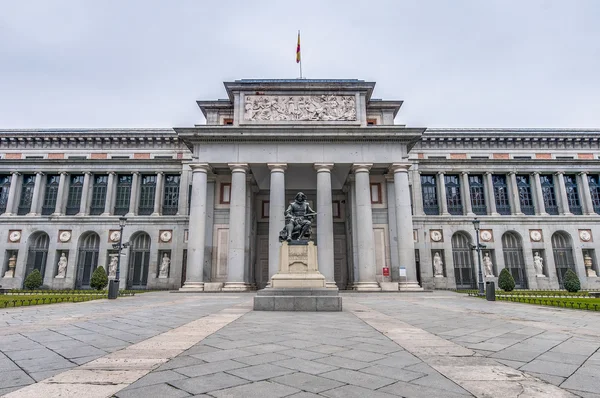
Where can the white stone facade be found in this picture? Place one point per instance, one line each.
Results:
(388, 197)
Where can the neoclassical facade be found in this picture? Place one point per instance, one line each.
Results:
(205, 204)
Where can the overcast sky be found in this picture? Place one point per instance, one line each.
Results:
(455, 63)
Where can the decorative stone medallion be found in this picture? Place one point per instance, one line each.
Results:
(535, 235)
(486, 235)
(165, 236)
(114, 235)
(436, 235)
(14, 236)
(64, 236)
(585, 235)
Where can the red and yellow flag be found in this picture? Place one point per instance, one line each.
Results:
(298, 49)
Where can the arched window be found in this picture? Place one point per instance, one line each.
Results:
(87, 258)
(562, 249)
(37, 253)
(513, 258)
(139, 261)
(463, 261)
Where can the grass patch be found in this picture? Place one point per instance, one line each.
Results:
(591, 304)
(22, 300)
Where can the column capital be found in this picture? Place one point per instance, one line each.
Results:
(559, 173)
(89, 173)
(277, 167)
(464, 173)
(488, 173)
(238, 167)
(160, 173)
(112, 173)
(39, 173)
(200, 167)
(441, 173)
(535, 173)
(323, 167)
(582, 173)
(15, 173)
(361, 167)
(137, 173)
(64, 173)
(400, 167)
(512, 173)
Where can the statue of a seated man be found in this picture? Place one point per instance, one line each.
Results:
(298, 220)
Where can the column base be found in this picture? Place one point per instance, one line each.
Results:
(330, 285)
(105, 214)
(471, 214)
(32, 214)
(13, 214)
(56, 214)
(367, 287)
(192, 287)
(236, 287)
(154, 214)
(130, 214)
(410, 287)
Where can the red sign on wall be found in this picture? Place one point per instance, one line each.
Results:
(386, 271)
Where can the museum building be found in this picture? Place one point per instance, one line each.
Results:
(205, 204)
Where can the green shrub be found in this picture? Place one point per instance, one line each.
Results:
(99, 279)
(506, 281)
(572, 283)
(34, 280)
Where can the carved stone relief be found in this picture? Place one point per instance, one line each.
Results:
(300, 108)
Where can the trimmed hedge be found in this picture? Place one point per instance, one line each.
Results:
(572, 283)
(34, 280)
(506, 281)
(99, 279)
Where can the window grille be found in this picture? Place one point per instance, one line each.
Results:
(99, 194)
(476, 189)
(74, 196)
(123, 194)
(453, 198)
(171, 195)
(549, 194)
(26, 194)
(525, 198)
(594, 181)
(147, 192)
(501, 194)
(429, 192)
(573, 194)
(4, 190)
(52, 185)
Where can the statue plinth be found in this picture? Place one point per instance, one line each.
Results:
(298, 267)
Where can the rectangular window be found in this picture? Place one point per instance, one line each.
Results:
(225, 194)
(453, 198)
(376, 193)
(429, 193)
(371, 122)
(228, 121)
(501, 194)
(171, 195)
(4, 189)
(476, 191)
(52, 182)
(525, 198)
(573, 194)
(549, 194)
(594, 181)
(189, 204)
(123, 194)
(98, 195)
(147, 191)
(26, 194)
(74, 197)
(265, 208)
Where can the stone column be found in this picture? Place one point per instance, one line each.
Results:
(514, 194)
(182, 205)
(441, 185)
(367, 280)
(563, 201)
(60, 196)
(236, 253)
(417, 192)
(540, 208)
(584, 191)
(466, 194)
(404, 226)
(325, 223)
(133, 198)
(85, 191)
(12, 194)
(110, 189)
(35, 198)
(158, 194)
(276, 214)
(197, 229)
(490, 199)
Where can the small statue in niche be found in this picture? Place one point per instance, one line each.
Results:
(112, 267)
(588, 263)
(489, 266)
(62, 266)
(12, 264)
(438, 265)
(298, 220)
(538, 264)
(164, 266)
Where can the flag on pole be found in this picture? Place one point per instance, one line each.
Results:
(298, 49)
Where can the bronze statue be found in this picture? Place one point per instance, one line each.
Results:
(298, 220)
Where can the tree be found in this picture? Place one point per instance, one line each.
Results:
(571, 282)
(34, 280)
(506, 281)
(99, 279)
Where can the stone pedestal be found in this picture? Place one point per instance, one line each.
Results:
(298, 286)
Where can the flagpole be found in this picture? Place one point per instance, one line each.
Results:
(300, 67)
(299, 54)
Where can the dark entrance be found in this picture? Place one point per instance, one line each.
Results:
(139, 261)
(563, 255)
(37, 254)
(463, 261)
(87, 259)
(513, 258)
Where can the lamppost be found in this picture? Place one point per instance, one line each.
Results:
(478, 248)
(113, 288)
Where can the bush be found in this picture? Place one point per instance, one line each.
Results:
(506, 281)
(34, 280)
(99, 279)
(572, 283)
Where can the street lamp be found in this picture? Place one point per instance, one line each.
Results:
(478, 248)
(113, 287)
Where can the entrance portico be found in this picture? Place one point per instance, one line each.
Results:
(266, 152)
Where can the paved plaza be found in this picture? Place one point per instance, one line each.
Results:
(438, 344)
